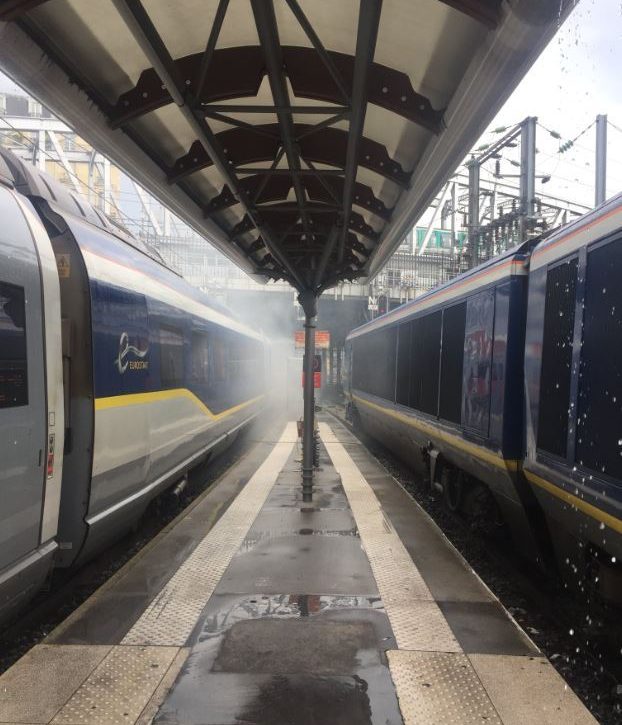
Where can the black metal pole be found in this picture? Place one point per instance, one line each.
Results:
(308, 300)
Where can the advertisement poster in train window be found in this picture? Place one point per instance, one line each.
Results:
(13, 361)
(476, 371)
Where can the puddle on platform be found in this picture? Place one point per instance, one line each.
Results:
(234, 610)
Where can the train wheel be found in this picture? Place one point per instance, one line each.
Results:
(481, 509)
(453, 489)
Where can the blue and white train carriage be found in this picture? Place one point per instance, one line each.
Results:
(512, 375)
(436, 381)
(116, 378)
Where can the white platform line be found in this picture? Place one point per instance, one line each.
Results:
(416, 619)
(172, 615)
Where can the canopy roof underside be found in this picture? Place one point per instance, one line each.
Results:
(301, 137)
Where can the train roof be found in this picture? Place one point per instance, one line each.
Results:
(35, 183)
(511, 262)
(596, 224)
(6, 177)
(129, 251)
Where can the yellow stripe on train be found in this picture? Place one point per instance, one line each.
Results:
(590, 510)
(123, 401)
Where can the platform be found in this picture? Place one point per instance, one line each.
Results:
(253, 607)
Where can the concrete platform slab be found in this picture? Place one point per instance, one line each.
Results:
(120, 687)
(287, 613)
(37, 687)
(485, 627)
(300, 564)
(529, 690)
(233, 699)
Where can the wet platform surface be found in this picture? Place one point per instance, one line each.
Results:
(255, 607)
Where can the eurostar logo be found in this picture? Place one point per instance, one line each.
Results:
(126, 349)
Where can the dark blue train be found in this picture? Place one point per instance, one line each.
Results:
(116, 378)
(508, 381)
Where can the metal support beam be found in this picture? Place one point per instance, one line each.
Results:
(144, 201)
(256, 108)
(146, 35)
(268, 32)
(527, 172)
(473, 225)
(329, 247)
(65, 163)
(319, 47)
(601, 159)
(41, 149)
(453, 218)
(367, 34)
(308, 301)
(208, 53)
(437, 210)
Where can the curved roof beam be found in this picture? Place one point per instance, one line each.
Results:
(238, 72)
(243, 146)
(277, 188)
(283, 219)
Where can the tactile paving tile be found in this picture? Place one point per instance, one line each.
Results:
(416, 620)
(439, 687)
(420, 625)
(35, 688)
(119, 688)
(171, 616)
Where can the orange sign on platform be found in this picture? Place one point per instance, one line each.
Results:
(317, 372)
(322, 339)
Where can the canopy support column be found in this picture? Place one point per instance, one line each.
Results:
(308, 301)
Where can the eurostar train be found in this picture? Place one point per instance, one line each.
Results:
(508, 379)
(116, 378)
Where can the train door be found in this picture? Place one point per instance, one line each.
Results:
(23, 412)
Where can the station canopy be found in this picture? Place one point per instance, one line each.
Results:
(303, 138)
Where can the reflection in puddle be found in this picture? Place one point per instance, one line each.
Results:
(282, 605)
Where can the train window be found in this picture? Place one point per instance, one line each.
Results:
(557, 358)
(599, 442)
(476, 367)
(13, 359)
(452, 357)
(374, 363)
(219, 361)
(200, 357)
(403, 364)
(171, 357)
(425, 358)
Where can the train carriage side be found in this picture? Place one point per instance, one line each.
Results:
(174, 379)
(31, 402)
(573, 383)
(156, 379)
(439, 382)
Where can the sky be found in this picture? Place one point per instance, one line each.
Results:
(578, 76)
